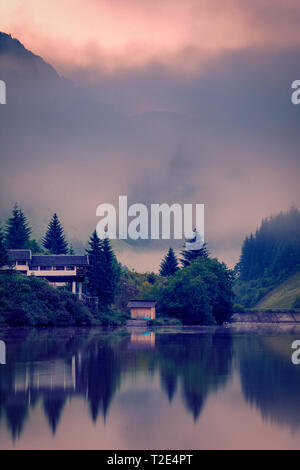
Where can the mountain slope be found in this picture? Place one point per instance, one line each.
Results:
(283, 296)
(61, 143)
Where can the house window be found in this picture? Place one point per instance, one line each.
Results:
(70, 268)
(46, 268)
(34, 268)
(59, 268)
(21, 263)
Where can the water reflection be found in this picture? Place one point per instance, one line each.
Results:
(141, 339)
(269, 379)
(201, 363)
(50, 367)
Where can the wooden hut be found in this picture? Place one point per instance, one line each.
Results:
(142, 309)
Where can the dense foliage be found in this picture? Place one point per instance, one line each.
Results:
(3, 251)
(274, 249)
(200, 293)
(28, 301)
(249, 293)
(132, 285)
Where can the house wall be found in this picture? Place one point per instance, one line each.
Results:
(139, 312)
(56, 278)
(52, 272)
(22, 268)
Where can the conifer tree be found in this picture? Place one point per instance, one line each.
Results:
(190, 255)
(95, 273)
(17, 230)
(3, 251)
(103, 273)
(111, 273)
(54, 240)
(169, 264)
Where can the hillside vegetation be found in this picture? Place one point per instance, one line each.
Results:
(28, 301)
(285, 296)
(269, 258)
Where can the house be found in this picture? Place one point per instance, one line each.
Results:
(142, 309)
(57, 269)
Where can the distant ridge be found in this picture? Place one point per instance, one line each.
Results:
(11, 45)
(13, 48)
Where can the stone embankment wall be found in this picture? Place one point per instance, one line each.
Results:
(266, 318)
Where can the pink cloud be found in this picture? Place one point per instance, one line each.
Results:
(131, 33)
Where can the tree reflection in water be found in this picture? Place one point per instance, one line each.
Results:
(51, 366)
(269, 379)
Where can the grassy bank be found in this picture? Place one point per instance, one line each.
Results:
(285, 296)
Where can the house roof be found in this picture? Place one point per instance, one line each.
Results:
(59, 260)
(20, 255)
(141, 303)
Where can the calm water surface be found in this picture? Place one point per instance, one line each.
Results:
(205, 388)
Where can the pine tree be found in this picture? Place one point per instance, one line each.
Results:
(103, 273)
(111, 273)
(95, 273)
(54, 240)
(3, 251)
(71, 250)
(190, 255)
(169, 264)
(17, 230)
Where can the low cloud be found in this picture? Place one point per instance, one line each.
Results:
(227, 137)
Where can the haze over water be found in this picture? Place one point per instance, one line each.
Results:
(201, 388)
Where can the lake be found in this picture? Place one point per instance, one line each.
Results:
(231, 387)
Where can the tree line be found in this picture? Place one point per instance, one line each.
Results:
(269, 256)
(170, 263)
(103, 272)
(273, 250)
(193, 289)
(17, 235)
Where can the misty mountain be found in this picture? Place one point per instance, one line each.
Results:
(18, 63)
(51, 127)
(67, 148)
(58, 144)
